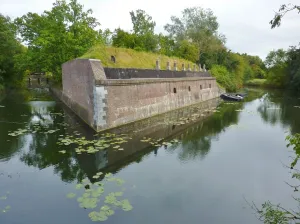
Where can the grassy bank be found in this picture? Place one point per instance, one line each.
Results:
(262, 83)
(128, 58)
(257, 82)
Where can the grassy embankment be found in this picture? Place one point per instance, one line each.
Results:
(262, 83)
(128, 58)
(257, 82)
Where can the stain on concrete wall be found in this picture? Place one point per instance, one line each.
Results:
(100, 106)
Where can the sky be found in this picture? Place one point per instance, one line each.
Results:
(245, 23)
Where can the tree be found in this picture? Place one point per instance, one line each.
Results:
(9, 49)
(122, 38)
(142, 23)
(199, 26)
(276, 21)
(276, 57)
(59, 35)
(143, 31)
(166, 45)
(187, 50)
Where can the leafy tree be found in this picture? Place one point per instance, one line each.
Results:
(187, 50)
(142, 23)
(106, 36)
(199, 26)
(57, 36)
(276, 57)
(143, 37)
(121, 38)
(10, 48)
(166, 45)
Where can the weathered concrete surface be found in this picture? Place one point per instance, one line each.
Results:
(105, 103)
(131, 100)
(78, 86)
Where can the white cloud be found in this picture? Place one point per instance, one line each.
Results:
(245, 23)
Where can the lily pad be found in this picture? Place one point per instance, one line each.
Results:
(71, 195)
(79, 186)
(63, 151)
(126, 206)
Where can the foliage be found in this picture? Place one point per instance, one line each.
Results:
(142, 38)
(284, 61)
(187, 50)
(224, 77)
(142, 23)
(200, 26)
(10, 51)
(277, 76)
(276, 57)
(276, 21)
(284, 68)
(56, 36)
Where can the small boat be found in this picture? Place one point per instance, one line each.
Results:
(232, 97)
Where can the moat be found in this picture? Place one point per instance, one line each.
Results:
(197, 165)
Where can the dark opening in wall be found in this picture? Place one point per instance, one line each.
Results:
(189, 88)
(174, 90)
(200, 86)
(210, 86)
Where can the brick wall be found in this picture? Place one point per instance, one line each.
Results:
(105, 103)
(134, 101)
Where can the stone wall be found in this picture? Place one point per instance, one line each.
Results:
(105, 103)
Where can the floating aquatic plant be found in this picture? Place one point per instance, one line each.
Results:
(71, 195)
(159, 142)
(91, 196)
(103, 141)
(3, 198)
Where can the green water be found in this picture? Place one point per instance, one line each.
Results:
(223, 154)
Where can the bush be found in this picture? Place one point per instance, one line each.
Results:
(224, 77)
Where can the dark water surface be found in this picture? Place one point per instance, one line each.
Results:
(223, 156)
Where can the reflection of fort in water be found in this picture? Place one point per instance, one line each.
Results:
(163, 126)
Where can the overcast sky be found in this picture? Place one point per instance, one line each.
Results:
(245, 23)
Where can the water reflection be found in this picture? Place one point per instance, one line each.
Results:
(196, 141)
(39, 149)
(280, 108)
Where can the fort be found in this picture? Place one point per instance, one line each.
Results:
(109, 97)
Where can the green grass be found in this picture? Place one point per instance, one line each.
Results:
(128, 58)
(256, 82)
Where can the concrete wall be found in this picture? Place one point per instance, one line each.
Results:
(105, 103)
